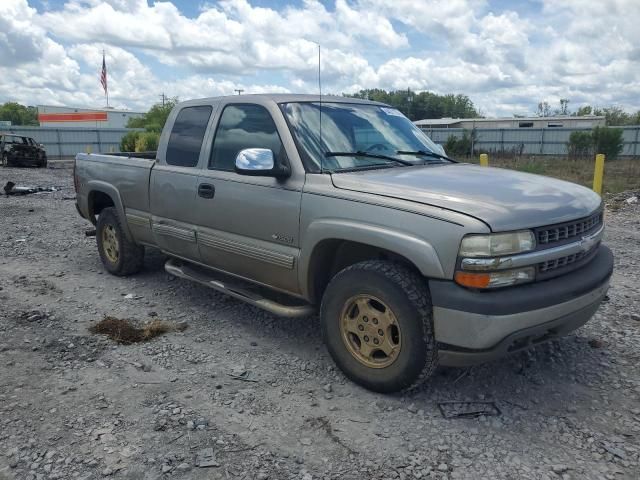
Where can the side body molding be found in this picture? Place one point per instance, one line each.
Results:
(415, 249)
(104, 187)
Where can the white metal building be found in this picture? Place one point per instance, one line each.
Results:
(52, 116)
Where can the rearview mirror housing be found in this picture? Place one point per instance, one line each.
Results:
(259, 162)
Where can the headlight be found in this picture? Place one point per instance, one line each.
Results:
(483, 263)
(497, 244)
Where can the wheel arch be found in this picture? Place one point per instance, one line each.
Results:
(331, 246)
(103, 195)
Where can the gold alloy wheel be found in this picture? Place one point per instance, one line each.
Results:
(370, 331)
(110, 243)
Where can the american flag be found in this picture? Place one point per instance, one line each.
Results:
(103, 75)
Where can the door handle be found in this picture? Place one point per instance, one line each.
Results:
(206, 190)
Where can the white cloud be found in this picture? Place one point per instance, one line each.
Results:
(506, 59)
(232, 36)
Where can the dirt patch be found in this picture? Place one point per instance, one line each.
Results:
(124, 331)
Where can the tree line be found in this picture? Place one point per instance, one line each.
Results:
(421, 105)
(19, 114)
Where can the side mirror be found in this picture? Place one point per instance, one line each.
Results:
(259, 162)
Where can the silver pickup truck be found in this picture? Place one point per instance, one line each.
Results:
(345, 207)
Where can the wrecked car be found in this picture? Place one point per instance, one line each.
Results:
(20, 151)
(344, 207)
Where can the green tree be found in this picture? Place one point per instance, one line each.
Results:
(614, 116)
(155, 118)
(608, 140)
(147, 141)
(580, 145)
(128, 141)
(421, 105)
(460, 146)
(18, 114)
(584, 110)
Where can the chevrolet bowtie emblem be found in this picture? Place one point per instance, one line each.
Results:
(588, 242)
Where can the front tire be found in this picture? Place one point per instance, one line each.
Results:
(376, 319)
(119, 256)
(43, 162)
(5, 159)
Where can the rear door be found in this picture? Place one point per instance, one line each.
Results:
(174, 180)
(250, 225)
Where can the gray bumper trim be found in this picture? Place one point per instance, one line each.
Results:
(476, 331)
(520, 340)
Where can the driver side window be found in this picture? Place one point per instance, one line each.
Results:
(240, 127)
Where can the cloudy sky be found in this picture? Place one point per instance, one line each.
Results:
(505, 55)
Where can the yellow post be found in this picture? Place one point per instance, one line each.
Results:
(598, 174)
(88, 149)
(484, 160)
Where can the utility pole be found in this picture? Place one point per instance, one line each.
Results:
(163, 97)
(238, 91)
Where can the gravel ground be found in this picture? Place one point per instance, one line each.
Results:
(77, 405)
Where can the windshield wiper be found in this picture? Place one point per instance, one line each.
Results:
(425, 153)
(360, 153)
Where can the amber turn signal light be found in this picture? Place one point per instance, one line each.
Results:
(473, 280)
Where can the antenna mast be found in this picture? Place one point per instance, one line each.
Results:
(320, 95)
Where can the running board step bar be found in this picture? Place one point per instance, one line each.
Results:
(211, 280)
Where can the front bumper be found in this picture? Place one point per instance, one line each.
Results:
(19, 161)
(474, 327)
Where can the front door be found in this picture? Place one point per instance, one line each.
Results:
(249, 225)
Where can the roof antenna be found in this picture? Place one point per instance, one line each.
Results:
(320, 95)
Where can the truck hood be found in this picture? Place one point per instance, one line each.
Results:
(503, 199)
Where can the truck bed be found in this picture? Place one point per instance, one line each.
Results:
(121, 176)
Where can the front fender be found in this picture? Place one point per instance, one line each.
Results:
(417, 250)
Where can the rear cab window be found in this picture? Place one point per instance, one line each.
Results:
(187, 135)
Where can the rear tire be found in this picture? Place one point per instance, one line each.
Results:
(376, 319)
(119, 256)
(43, 162)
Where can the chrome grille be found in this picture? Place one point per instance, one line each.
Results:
(558, 263)
(566, 231)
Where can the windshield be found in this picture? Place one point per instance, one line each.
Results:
(358, 128)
